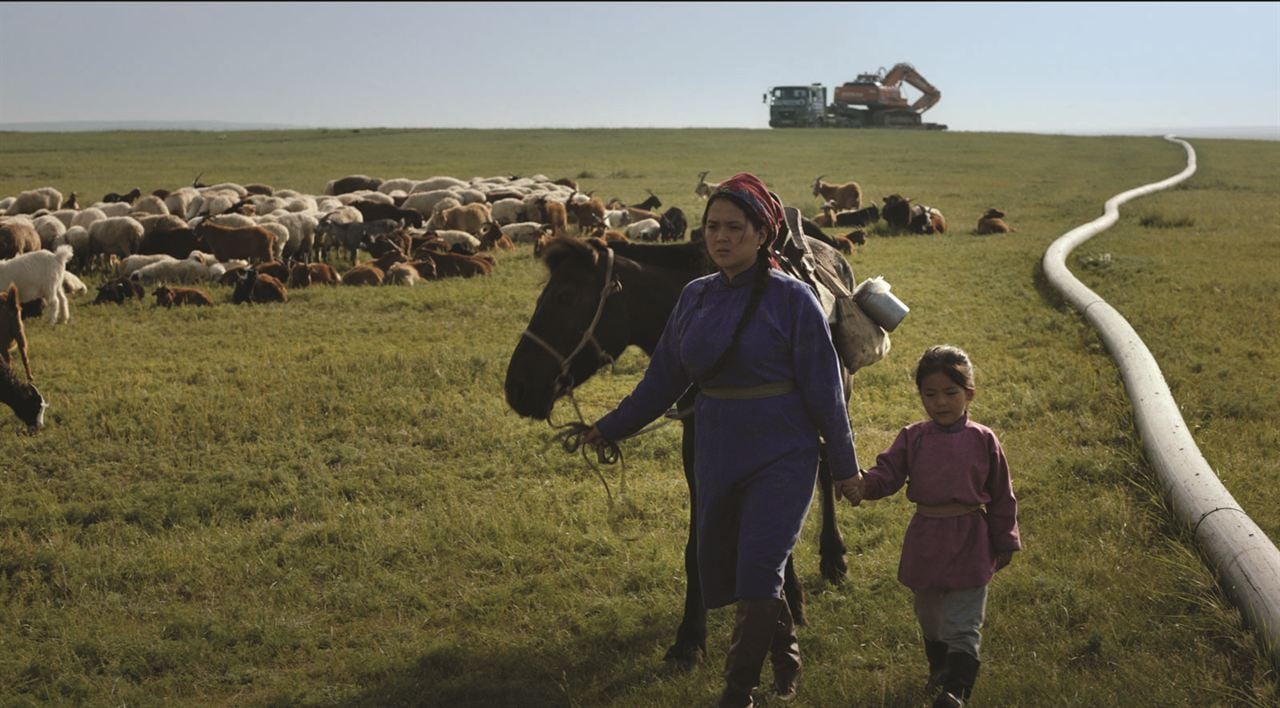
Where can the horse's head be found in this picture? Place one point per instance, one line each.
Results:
(576, 327)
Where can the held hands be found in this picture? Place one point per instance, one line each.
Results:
(853, 488)
(1002, 559)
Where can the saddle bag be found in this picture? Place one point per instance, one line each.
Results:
(858, 339)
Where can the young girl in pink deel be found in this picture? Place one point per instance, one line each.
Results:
(966, 523)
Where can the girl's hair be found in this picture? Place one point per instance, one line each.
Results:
(753, 300)
(951, 361)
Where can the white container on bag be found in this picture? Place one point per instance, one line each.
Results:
(882, 306)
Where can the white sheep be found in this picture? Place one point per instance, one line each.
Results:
(455, 238)
(65, 216)
(435, 183)
(230, 188)
(86, 218)
(282, 241)
(525, 231)
(302, 231)
(77, 237)
(233, 220)
(507, 211)
(34, 200)
(119, 236)
(402, 184)
(160, 222)
(424, 202)
(50, 228)
(301, 203)
(446, 203)
(6, 203)
(187, 270)
(178, 202)
(113, 209)
(131, 264)
(150, 204)
(469, 196)
(39, 275)
(71, 285)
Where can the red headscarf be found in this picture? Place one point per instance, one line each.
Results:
(748, 192)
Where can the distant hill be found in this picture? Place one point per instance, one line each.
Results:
(87, 126)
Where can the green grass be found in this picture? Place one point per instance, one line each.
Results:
(328, 502)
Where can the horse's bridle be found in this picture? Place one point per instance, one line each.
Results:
(564, 381)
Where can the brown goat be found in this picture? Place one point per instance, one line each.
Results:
(588, 214)
(169, 297)
(255, 287)
(554, 215)
(252, 243)
(450, 265)
(846, 196)
(364, 274)
(402, 274)
(11, 330)
(275, 269)
(305, 274)
(992, 222)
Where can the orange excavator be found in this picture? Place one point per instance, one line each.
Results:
(869, 101)
(877, 100)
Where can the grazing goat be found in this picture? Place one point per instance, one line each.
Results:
(252, 243)
(992, 222)
(372, 212)
(11, 330)
(39, 275)
(847, 196)
(176, 243)
(258, 287)
(23, 398)
(169, 297)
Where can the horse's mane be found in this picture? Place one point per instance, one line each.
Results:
(686, 258)
(690, 258)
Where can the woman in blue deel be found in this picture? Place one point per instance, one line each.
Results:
(757, 345)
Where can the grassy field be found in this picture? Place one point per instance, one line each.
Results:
(328, 502)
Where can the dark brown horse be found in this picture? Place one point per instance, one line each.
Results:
(629, 294)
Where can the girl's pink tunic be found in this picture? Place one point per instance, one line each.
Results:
(960, 463)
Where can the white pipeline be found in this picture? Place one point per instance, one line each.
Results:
(1245, 560)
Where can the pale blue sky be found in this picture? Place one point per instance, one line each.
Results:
(1054, 67)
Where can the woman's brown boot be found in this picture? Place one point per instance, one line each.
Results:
(754, 626)
(785, 655)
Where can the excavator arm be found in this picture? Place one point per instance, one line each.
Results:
(906, 72)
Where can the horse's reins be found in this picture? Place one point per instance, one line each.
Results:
(571, 434)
